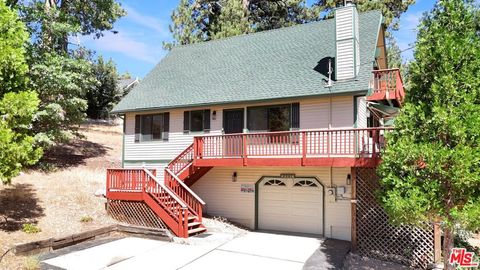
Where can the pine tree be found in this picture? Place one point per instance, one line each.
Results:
(185, 28)
(391, 9)
(60, 73)
(202, 20)
(272, 14)
(232, 21)
(106, 94)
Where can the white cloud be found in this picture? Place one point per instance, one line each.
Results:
(124, 44)
(159, 26)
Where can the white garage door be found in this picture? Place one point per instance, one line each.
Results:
(292, 205)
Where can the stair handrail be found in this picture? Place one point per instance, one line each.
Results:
(171, 164)
(185, 186)
(171, 193)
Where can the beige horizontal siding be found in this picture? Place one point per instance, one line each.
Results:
(159, 167)
(223, 196)
(314, 114)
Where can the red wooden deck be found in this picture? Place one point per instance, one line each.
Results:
(387, 84)
(334, 147)
(175, 203)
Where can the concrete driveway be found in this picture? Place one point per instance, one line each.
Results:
(253, 250)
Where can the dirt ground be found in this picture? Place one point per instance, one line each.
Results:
(62, 201)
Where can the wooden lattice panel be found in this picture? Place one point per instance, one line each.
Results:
(135, 213)
(377, 238)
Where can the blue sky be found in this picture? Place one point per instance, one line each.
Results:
(138, 45)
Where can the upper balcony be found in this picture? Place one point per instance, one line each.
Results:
(387, 84)
(332, 147)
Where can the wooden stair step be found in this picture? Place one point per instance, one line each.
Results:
(196, 230)
(192, 224)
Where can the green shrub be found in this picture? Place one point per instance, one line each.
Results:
(86, 219)
(30, 228)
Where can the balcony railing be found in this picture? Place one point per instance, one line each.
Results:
(387, 84)
(300, 145)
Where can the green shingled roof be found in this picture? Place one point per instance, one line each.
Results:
(268, 65)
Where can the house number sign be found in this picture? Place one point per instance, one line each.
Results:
(247, 188)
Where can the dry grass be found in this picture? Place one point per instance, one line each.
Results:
(57, 201)
(31, 263)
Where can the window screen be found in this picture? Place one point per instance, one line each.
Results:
(271, 118)
(151, 127)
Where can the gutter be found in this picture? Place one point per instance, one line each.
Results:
(347, 93)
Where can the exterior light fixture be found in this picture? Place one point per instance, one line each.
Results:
(214, 115)
(234, 177)
(349, 179)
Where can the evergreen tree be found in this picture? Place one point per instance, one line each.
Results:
(268, 14)
(185, 28)
(394, 56)
(391, 9)
(430, 170)
(62, 74)
(202, 20)
(106, 94)
(12, 52)
(17, 105)
(232, 20)
(125, 76)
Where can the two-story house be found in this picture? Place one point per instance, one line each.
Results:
(265, 129)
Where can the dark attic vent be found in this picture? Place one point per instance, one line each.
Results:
(322, 67)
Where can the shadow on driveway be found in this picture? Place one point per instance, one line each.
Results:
(330, 255)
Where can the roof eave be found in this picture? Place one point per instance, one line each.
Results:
(364, 91)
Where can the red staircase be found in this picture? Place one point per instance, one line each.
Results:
(172, 200)
(182, 166)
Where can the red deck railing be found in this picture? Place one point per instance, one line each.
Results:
(131, 180)
(194, 203)
(182, 161)
(142, 185)
(355, 143)
(387, 84)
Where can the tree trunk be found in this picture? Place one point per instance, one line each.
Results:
(448, 238)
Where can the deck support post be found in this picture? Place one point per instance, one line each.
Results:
(437, 244)
(354, 209)
(304, 148)
(185, 222)
(195, 151)
(245, 147)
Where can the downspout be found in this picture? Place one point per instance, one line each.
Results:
(331, 186)
(123, 138)
(330, 110)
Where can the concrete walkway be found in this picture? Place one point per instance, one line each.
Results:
(252, 250)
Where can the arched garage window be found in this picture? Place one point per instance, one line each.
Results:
(305, 183)
(274, 182)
